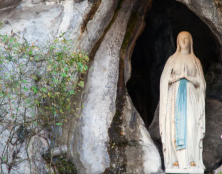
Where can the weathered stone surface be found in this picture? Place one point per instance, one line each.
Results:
(212, 143)
(99, 28)
(36, 148)
(218, 170)
(21, 156)
(36, 23)
(37, 1)
(109, 135)
(98, 149)
(142, 155)
(7, 4)
(210, 12)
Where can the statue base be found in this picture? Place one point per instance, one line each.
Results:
(185, 171)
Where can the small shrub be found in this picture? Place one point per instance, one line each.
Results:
(37, 83)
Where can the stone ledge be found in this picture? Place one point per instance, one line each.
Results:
(187, 171)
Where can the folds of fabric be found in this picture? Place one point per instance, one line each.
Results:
(165, 109)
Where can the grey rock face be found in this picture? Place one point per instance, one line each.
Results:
(37, 1)
(97, 27)
(36, 149)
(6, 4)
(35, 23)
(109, 136)
(218, 170)
(212, 143)
(107, 144)
(142, 155)
(210, 12)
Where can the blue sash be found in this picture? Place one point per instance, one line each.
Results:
(181, 115)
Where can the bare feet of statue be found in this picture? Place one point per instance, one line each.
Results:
(176, 164)
(193, 164)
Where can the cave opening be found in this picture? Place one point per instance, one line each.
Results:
(164, 21)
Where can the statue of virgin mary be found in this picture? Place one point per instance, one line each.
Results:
(182, 109)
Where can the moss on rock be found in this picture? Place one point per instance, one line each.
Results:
(96, 46)
(130, 29)
(91, 14)
(64, 166)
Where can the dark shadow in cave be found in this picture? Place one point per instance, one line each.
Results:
(164, 21)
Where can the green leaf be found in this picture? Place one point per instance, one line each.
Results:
(63, 74)
(59, 124)
(25, 89)
(71, 92)
(34, 89)
(81, 84)
(44, 89)
(55, 80)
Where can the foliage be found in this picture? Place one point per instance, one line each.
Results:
(64, 166)
(37, 82)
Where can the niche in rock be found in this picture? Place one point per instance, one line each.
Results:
(164, 21)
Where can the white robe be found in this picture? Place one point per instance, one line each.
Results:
(195, 114)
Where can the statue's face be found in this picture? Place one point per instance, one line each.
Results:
(184, 41)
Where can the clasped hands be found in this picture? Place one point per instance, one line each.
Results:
(182, 75)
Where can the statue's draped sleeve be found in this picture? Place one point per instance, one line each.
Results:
(164, 87)
(201, 101)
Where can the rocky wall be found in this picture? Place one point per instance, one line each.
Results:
(109, 135)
